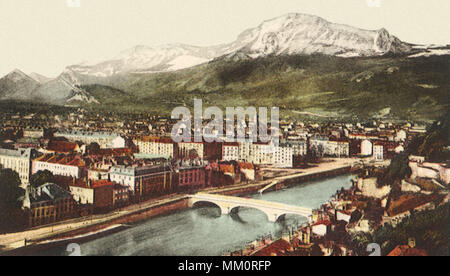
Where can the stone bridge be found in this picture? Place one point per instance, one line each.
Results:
(227, 204)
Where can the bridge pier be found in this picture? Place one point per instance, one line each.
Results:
(225, 210)
(272, 217)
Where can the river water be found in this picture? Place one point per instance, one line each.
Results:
(202, 231)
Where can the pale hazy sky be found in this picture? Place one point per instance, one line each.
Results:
(45, 36)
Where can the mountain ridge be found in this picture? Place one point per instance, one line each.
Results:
(293, 33)
(285, 59)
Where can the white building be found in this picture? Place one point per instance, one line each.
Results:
(18, 161)
(59, 165)
(156, 146)
(132, 177)
(230, 152)
(318, 144)
(244, 151)
(300, 146)
(343, 216)
(184, 148)
(401, 136)
(262, 153)
(34, 133)
(337, 148)
(366, 148)
(83, 195)
(320, 228)
(104, 139)
(378, 152)
(283, 157)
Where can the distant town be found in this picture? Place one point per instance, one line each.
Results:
(83, 172)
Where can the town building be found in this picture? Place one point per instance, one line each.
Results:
(35, 133)
(318, 144)
(378, 152)
(145, 181)
(157, 146)
(366, 148)
(230, 151)
(185, 149)
(50, 203)
(244, 151)
(337, 148)
(63, 165)
(191, 177)
(300, 146)
(103, 139)
(283, 157)
(18, 161)
(261, 153)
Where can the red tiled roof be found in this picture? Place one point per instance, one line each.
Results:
(227, 168)
(164, 140)
(113, 152)
(404, 250)
(101, 183)
(277, 248)
(246, 166)
(322, 222)
(62, 146)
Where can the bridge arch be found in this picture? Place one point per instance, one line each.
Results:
(223, 209)
(235, 208)
(227, 204)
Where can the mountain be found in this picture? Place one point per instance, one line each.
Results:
(303, 86)
(40, 78)
(307, 66)
(146, 59)
(17, 86)
(63, 90)
(295, 34)
(291, 34)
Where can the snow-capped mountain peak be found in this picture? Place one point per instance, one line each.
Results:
(290, 34)
(307, 34)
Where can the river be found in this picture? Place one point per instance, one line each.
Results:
(202, 231)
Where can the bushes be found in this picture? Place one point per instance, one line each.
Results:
(429, 228)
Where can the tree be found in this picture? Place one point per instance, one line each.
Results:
(11, 199)
(40, 178)
(397, 171)
(93, 148)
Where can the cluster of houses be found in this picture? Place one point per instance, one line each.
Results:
(363, 208)
(105, 170)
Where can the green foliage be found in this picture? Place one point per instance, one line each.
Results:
(324, 85)
(41, 177)
(433, 145)
(397, 171)
(332, 88)
(11, 198)
(93, 148)
(429, 228)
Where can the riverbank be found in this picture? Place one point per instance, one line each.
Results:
(163, 206)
